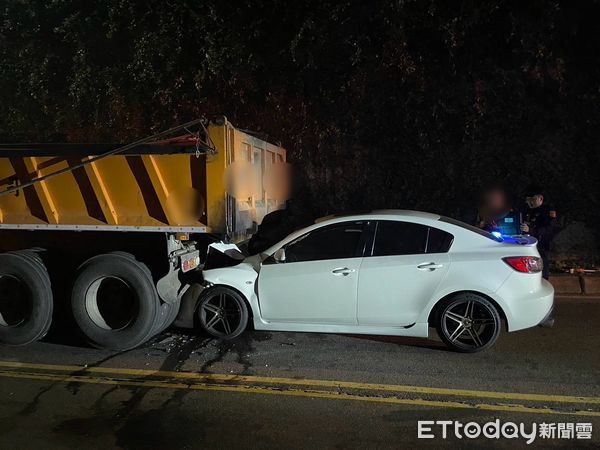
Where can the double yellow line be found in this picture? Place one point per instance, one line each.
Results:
(329, 389)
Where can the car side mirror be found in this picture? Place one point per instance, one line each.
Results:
(279, 255)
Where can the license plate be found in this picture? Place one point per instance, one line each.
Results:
(190, 261)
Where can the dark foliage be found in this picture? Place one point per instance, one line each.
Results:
(411, 104)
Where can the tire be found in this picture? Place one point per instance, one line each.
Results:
(26, 303)
(34, 256)
(167, 312)
(468, 323)
(115, 303)
(222, 312)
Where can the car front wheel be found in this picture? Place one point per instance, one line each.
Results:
(222, 312)
(468, 323)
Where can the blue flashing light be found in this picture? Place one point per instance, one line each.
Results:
(497, 234)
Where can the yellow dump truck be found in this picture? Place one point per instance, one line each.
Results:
(115, 233)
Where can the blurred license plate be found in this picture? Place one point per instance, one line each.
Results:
(190, 261)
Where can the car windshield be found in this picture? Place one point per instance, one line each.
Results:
(458, 223)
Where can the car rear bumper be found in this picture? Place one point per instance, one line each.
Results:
(548, 321)
(529, 309)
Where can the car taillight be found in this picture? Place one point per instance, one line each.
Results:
(525, 264)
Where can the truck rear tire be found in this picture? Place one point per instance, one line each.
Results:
(26, 302)
(115, 303)
(168, 312)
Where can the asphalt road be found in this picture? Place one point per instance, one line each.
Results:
(295, 390)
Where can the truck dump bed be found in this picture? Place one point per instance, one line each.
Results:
(145, 189)
(160, 186)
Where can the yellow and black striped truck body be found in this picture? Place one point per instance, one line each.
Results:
(129, 227)
(152, 187)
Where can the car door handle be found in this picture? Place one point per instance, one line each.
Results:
(343, 271)
(430, 266)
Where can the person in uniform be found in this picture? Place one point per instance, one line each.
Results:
(539, 221)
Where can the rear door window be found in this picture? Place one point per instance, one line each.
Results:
(407, 238)
(438, 241)
(399, 238)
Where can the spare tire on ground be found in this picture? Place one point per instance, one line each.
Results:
(26, 303)
(115, 303)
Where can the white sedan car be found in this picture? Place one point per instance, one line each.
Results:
(388, 273)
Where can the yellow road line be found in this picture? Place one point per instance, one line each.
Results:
(294, 393)
(307, 382)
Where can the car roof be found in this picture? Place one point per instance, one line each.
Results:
(382, 214)
(378, 214)
(456, 228)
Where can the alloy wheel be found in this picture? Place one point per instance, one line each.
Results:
(221, 314)
(469, 324)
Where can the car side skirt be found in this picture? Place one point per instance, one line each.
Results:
(415, 330)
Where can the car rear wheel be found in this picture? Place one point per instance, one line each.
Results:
(468, 323)
(222, 312)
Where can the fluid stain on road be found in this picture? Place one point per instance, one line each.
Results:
(131, 429)
(242, 347)
(143, 429)
(74, 386)
(149, 426)
(32, 406)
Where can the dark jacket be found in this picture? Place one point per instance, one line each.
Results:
(541, 224)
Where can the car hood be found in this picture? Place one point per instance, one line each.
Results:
(221, 254)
